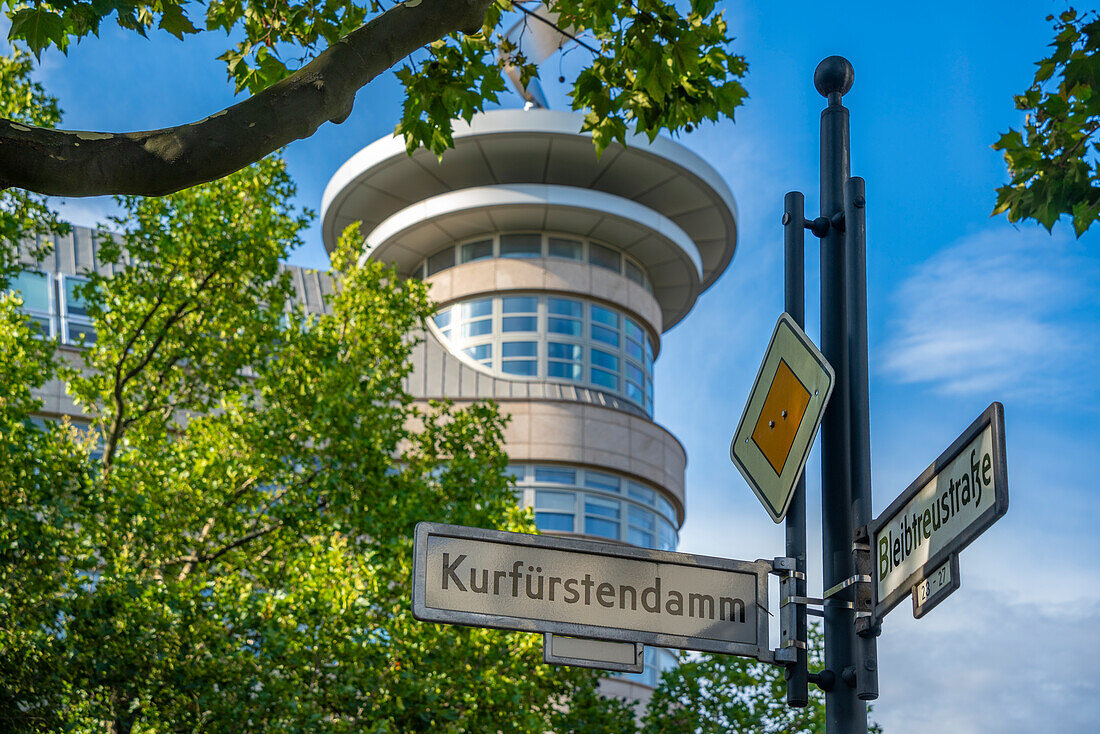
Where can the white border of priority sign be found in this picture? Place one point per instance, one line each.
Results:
(948, 493)
(789, 345)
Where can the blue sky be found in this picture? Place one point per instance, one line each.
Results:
(964, 309)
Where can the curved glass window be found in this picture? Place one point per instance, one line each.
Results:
(590, 502)
(535, 244)
(554, 338)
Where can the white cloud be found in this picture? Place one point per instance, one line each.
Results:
(999, 311)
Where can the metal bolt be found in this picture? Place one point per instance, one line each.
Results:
(786, 218)
(860, 202)
(783, 414)
(771, 424)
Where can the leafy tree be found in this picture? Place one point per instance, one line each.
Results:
(1053, 161)
(715, 694)
(651, 66)
(228, 546)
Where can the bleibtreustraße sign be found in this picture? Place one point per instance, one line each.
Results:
(582, 588)
(950, 504)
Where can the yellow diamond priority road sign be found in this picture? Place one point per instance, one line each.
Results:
(782, 416)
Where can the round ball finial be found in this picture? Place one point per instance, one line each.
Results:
(834, 75)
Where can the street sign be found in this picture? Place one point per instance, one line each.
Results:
(940, 584)
(782, 416)
(583, 588)
(950, 504)
(621, 657)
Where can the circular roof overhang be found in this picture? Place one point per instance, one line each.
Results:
(668, 254)
(538, 147)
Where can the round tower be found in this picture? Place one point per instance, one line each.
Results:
(556, 273)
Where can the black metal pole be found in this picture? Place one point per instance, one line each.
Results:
(794, 294)
(845, 713)
(855, 234)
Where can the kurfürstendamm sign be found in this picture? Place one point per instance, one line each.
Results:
(582, 588)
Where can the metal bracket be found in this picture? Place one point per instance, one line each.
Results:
(866, 624)
(858, 578)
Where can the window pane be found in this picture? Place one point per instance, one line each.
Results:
(635, 393)
(554, 522)
(633, 330)
(516, 471)
(564, 307)
(441, 261)
(634, 349)
(42, 323)
(605, 316)
(605, 379)
(521, 245)
(648, 354)
(666, 536)
(603, 359)
(479, 250)
(635, 536)
(523, 367)
(443, 318)
(638, 492)
(598, 480)
(633, 372)
(563, 326)
(545, 500)
(558, 476)
(601, 507)
(560, 350)
(643, 518)
(74, 304)
(474, 309)
(601, 527)
(605, 335)
(481, 352)
(80, 334)
(477, 328)
(560, 247)
(519, 323)
(34, 289)
(666, 508)
(603, 257)
(564, 370)
(635, 273)
(519, 349)
(520, 304)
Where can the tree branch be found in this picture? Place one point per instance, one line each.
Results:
(158, 162)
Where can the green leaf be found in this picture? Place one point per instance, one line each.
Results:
(174, 21)
(39, 28)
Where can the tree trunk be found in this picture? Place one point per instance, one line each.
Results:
(158, 162)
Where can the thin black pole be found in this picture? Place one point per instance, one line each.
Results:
(845, 713)
(794, 294)
(855, 233)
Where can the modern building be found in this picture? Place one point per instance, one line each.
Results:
(556, 273)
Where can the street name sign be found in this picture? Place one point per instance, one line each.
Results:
(940, 584)
(950, 504)
(621, 657)
(782, 416)
(584, 588)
